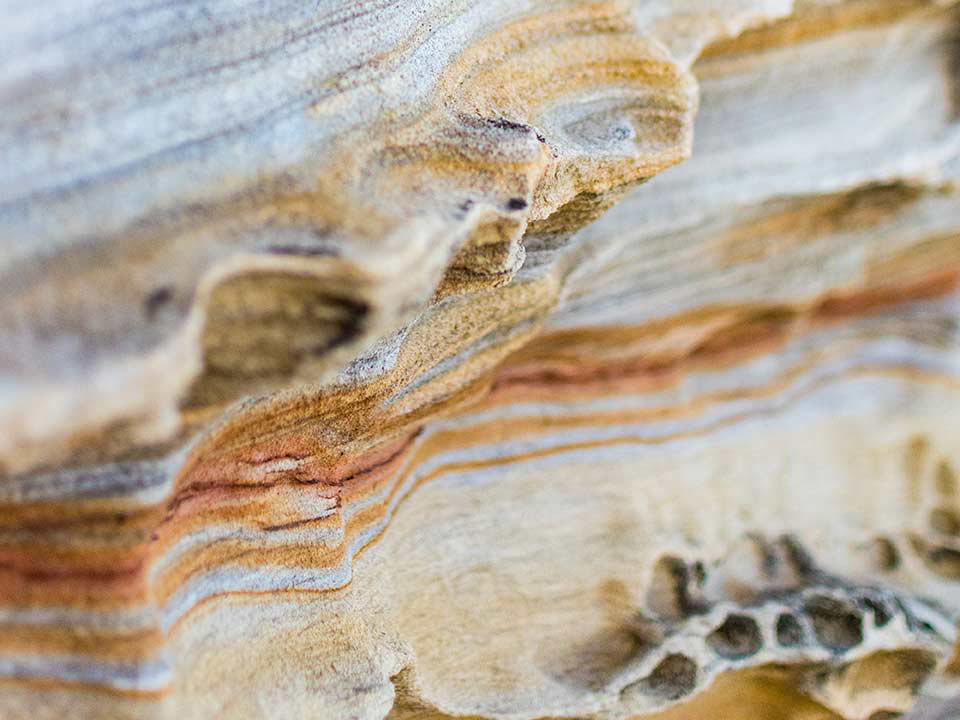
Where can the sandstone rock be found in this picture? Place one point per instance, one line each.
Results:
(526, 359)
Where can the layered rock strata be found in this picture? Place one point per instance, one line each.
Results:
(505, 360)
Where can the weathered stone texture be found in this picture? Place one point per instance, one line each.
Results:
(504, 359)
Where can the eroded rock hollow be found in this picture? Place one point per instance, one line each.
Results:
(422, 359)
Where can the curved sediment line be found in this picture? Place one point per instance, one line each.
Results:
(455, 185)
(627, 450)
(358, 506)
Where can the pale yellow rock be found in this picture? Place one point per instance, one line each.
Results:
(530, 359)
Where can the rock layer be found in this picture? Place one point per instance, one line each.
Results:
(352, 367)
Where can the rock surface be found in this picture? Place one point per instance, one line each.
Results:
(528, 359)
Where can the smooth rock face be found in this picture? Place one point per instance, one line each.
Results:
(527, 359)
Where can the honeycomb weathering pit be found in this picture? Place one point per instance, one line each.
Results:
(435, 359)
